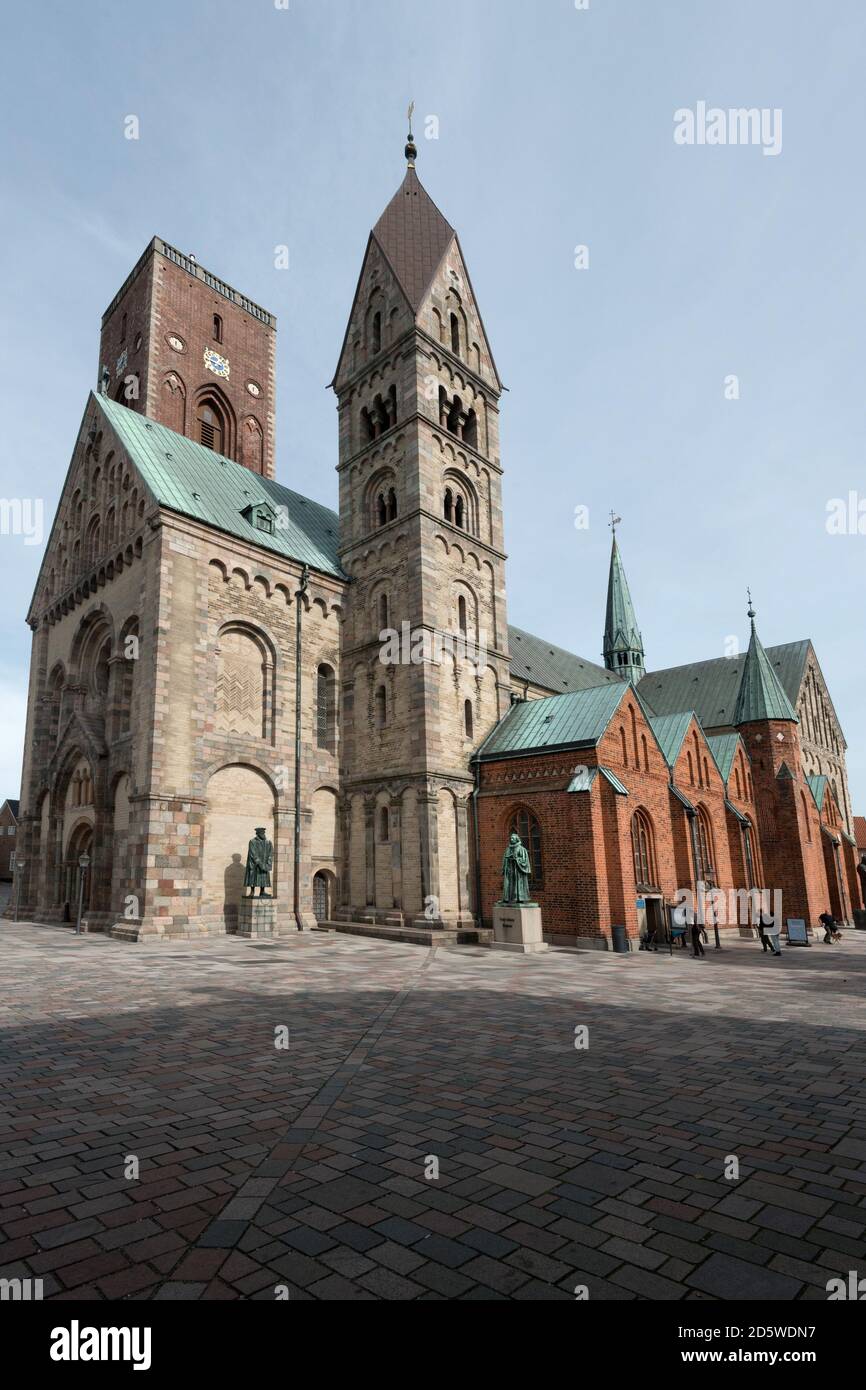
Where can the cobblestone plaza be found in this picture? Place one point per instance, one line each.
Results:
(309, 1171)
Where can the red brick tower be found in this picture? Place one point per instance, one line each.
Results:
(187, 350)
(788, 823)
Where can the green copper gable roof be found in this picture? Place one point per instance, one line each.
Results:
(710, 688)
(724, 748)
(577, 720)
(551, 667)
(188, 478)
(760, 695)
(670, 730)
(621, 631)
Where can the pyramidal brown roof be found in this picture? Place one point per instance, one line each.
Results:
(414, 236)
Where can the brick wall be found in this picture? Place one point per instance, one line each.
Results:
(589, 876)
(788, 824)
(164, 302)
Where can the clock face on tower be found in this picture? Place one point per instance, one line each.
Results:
(216, 364)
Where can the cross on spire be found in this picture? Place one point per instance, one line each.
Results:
(614, 522)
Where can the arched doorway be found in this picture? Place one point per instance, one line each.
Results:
(322, 896)
(80, 842)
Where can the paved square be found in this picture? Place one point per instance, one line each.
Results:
(312, 1168)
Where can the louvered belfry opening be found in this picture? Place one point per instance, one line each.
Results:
(211, 428)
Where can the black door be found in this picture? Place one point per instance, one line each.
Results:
(320, 898)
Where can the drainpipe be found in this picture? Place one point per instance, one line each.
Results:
(299, 605)
(476, 773)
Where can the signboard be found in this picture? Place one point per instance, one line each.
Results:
(797, 932)
(676, 920)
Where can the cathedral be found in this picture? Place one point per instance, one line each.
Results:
(213, 652)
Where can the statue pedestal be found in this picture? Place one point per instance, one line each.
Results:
(517, 927)
(257, 917)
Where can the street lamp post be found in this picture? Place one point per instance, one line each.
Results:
(712, 883)
(83, 864)
(19, 865)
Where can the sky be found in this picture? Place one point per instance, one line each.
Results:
(698, 367)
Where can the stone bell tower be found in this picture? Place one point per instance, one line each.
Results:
(425, 645)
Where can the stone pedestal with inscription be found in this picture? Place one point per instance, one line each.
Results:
(517, 927)
(257, 917)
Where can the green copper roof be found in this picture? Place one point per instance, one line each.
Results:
(724, 749)
(584, 779)
(744, 820)
(710, 688)
(680, 796)
(577, 720)
(551, 667)
(818, 788)
(188, 478)
(760, 695)
(670, 730)
(621, 633)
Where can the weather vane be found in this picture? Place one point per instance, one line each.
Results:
(411, 147)
(614, 522)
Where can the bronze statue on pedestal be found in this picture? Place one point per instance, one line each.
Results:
(516, 869)
(260, 861)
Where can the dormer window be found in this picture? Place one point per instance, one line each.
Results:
(262, 516)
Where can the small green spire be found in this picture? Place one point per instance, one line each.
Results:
(760, 695)
(623, 644)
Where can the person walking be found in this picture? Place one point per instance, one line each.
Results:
(697, 930)
(769, 930)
